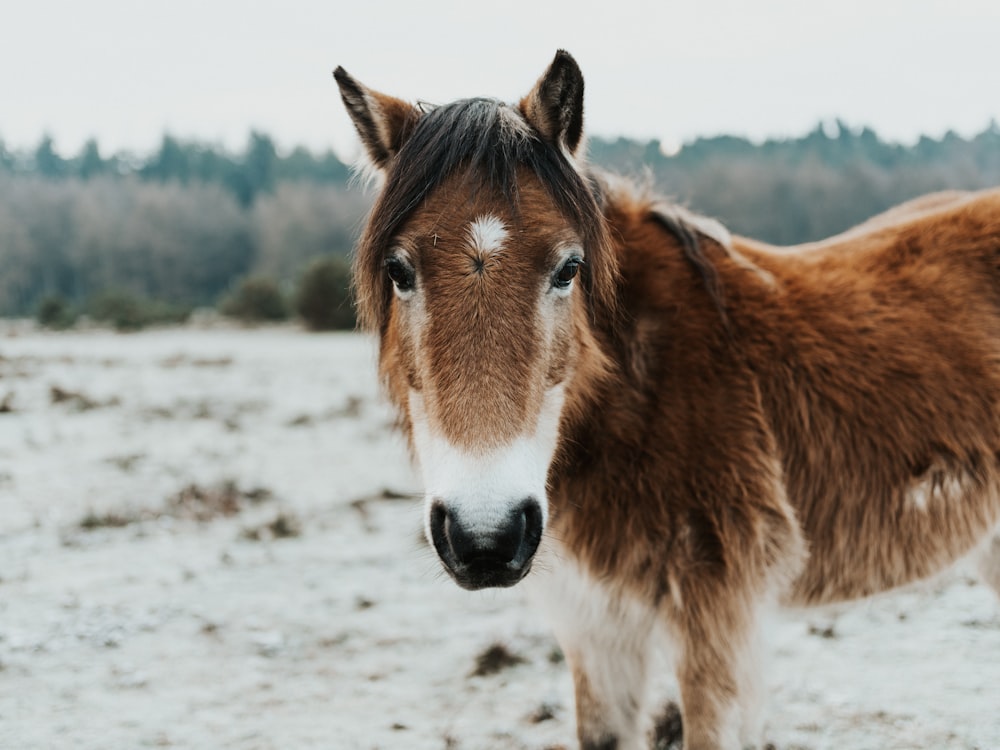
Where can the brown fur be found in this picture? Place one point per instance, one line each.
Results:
(742, 422)
(888, 347)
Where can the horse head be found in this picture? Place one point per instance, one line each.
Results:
(483, 264)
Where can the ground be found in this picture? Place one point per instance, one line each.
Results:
(211, 539)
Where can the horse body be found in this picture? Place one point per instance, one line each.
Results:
(848, 410)
(682, 425)
(877, 357)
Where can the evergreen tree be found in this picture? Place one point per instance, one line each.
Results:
(261, 162)
(7, 161)
(47, 162)
(302, 165)
(170, 163)
(89, 163)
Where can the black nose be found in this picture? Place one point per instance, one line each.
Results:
(479, 558)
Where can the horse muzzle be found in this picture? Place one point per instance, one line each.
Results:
(479, 555)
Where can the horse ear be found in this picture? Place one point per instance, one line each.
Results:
(555, 105)
(383, 122)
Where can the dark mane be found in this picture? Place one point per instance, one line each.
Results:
(489, 142)
(690, 231)
(694, 233)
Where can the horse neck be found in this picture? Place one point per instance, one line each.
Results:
(627, 417)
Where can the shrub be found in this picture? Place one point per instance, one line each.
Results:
(255, 299)
(55, 312)
(324, 295)
(130, 312)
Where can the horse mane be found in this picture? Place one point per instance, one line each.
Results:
(489, 142)
(688, 228)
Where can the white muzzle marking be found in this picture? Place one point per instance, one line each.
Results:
(483, 487)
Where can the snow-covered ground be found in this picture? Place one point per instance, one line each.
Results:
(210, 539)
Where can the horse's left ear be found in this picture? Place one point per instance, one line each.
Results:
(555, 106)
(382, 121)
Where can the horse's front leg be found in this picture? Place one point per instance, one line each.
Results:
(609, 681)
(606, 639)
(719, 672)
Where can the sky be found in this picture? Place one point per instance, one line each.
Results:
(126, 72)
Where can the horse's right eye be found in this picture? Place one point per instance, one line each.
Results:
(400, 274)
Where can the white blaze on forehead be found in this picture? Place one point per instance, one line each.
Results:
(487, 235)
(483, 487)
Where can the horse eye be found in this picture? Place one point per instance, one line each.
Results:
(400, 274)
(564, 276)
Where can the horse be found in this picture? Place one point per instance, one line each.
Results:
(675, 426)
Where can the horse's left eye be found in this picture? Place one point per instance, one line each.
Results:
(567, 272)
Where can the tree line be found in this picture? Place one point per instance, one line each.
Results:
(183, 225)
(804, 189)
(188, 223)
(257, 169)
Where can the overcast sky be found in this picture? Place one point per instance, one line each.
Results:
(126, 71)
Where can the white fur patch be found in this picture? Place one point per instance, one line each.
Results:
(936, 487)
(918, 496)
(483, 487)
(604, 632)
(487, 235)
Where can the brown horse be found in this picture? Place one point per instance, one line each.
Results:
(680, 426)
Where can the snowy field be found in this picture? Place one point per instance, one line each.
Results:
(209, 539)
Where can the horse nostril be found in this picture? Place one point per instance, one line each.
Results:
(508, 541)
(440, 527)
(439, 516)
(479, 554)
(532, 526)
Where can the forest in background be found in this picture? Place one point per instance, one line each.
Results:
(192, 224)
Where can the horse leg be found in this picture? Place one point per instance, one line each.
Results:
(606, 636)
(719, 674)
(609, 666)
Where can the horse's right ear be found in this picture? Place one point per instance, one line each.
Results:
(382, 121)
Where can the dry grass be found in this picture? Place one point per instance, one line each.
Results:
(107, 520)
(223, 500)
(198, 503)
(495, 658)
(78, 401)
(178, 360)
(284, 526)
(385, 495)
